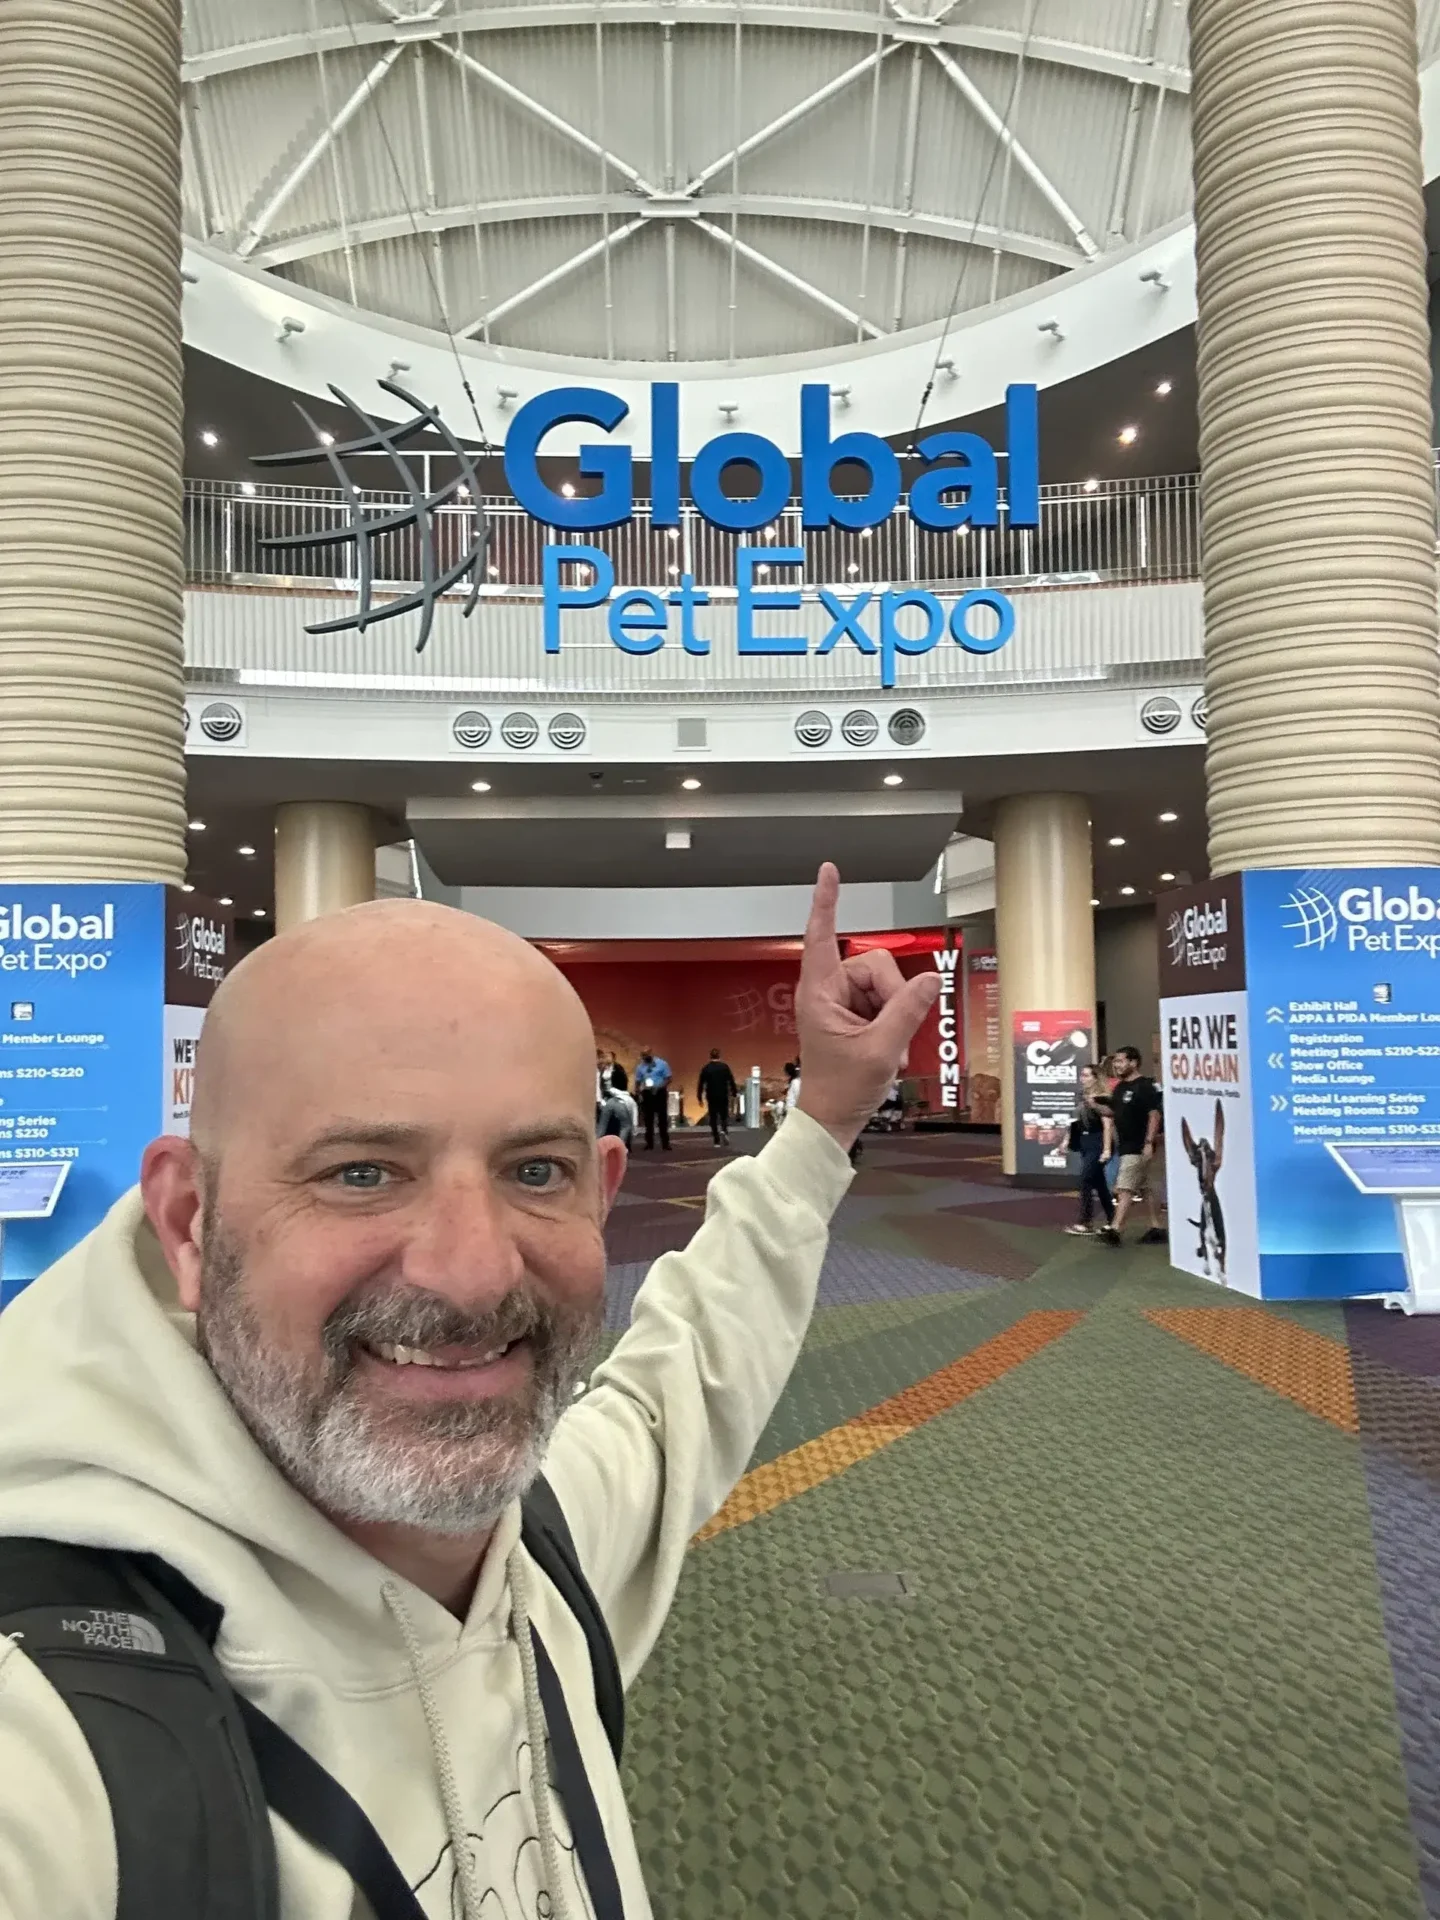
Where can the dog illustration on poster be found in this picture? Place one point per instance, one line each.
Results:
(1207, 1157)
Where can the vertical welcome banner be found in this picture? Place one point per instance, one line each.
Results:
(982, 1036)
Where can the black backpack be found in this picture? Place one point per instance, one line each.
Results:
(127, 1643)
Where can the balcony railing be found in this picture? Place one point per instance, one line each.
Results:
(1114, 532)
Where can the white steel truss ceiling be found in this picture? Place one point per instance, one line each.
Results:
(693, 180)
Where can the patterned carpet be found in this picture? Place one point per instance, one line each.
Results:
(1061, 1586)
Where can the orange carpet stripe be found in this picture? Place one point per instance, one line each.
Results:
(829, 1454)
(1289, 1359)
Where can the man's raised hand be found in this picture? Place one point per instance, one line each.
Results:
(855, 1019)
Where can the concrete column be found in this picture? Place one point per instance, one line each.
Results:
(1317, 487)
(92, 771)
(1044, 924)
(324, 859)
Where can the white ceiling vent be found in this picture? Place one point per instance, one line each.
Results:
(692, 736)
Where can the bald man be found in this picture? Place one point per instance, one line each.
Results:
(314, 1368)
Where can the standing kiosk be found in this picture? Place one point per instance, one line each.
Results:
(1409, 1174)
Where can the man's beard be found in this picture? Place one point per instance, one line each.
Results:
(446, 1467)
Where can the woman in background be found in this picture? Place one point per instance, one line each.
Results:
(1094, 1135)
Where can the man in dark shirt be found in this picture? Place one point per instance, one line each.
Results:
(716, 1094)
(1136, 1104)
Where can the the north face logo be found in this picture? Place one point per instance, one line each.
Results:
(116, 1632)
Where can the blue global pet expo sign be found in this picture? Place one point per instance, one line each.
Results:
(1300, 1011)
(960, 487)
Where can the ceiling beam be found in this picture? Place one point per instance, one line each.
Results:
(794, 281)
(547, 117)
(259, 224)
(700, 13)
(608, 242)
(787, 119)
(1021, 156)
(579, 206)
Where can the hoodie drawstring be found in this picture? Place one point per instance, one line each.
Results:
(470, 1890)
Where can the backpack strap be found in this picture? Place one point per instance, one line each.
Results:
(546, 1536)
(162, 1723)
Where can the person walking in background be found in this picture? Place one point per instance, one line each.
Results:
(1136, 1103)
(652, 1083)
(716, 1093)
(1093, 1135)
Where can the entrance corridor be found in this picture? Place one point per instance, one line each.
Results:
(1061, 1586)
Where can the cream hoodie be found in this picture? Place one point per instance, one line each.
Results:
(114, 1433)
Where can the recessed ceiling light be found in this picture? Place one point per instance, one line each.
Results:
(1127, 891)
(674, 571)
(247, 487)
(1164, 390)
(1167, 876)
(197, 826)
(210, 438)
(462, 491)
(568, 491)
(1092, 486)
(1117, 840)
(1128, 436)
(494, 573)
(865, 532)
(763, 572)
(692, 785)
(327, 439)
(247, 852)
(963, 533)
(479, 786)
(852, 568)
(187, 888)
(672, 533)
(1169, 817)
(259, 914)
(1094, 902)
(226, 901)
(769, 533)
(894, 779)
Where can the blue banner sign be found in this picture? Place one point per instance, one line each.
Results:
(1336, 976)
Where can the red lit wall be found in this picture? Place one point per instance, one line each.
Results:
(682, 998)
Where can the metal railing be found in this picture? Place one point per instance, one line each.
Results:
(1112, 532)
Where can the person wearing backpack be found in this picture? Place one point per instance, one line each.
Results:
(320, 1578)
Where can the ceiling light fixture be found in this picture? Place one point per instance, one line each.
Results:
(210, 437)
(1164, 390)
(186, 887)
(1169, 818)
(672, 533)
(769, 533)
(1093, 901)
(494, 573)
(1167, 876)
(865, 532)
(247, 853)
(1118, 840)
(479, 786)
(1092, 486)
(568, 490)
(258, 913)
(692, 785)
(1127, 891)
(226, 901)
(894, 780)
(197, 826)
(327, 439)
(852, 568)
(247, 487)
(1128, 436)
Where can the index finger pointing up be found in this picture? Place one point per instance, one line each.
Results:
(821, 947)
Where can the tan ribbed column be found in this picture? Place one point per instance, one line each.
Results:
(324, 859)
(1044, 924)
(92, 772)
(1319, 504)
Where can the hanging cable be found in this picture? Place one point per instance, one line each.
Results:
(425, 261)
(1002, 145)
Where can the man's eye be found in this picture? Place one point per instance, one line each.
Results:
(538, 1174)
(360, 1176)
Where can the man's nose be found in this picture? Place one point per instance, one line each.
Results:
(460, 1241)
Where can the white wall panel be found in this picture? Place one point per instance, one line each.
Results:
(675, 913)
(1061, 635)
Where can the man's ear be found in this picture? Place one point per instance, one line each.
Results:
(613, 1161)
(171, 1190)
